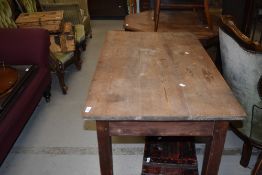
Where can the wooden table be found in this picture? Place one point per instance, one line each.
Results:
(159, 84)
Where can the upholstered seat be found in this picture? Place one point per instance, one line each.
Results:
(70, 7)
(71, 14)
(30, 6)
(59, 61)
(242, 68)
(6, 20)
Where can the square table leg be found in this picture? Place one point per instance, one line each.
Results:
(104, 147)
(214, 149)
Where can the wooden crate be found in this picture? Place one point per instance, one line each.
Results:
(50, 20)
(169, 156)
(65, 41)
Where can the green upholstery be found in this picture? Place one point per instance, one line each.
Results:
(58, 61)
(79, 33)
(62, 57)
(69, 15)
(6, 20)
(28, 5)
(83, 4)
(72, 14)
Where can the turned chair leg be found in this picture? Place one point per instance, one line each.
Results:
(258, 167)
(61, 77)
(47, 94)
(246, 153)
(82, 45)
(77, 60)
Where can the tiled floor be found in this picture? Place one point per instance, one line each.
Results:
(55, 141)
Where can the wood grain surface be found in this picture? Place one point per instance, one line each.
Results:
(158, 77)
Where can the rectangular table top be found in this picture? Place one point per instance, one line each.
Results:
(158, 77)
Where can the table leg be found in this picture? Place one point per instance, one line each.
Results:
(104, 148)
(214, 149)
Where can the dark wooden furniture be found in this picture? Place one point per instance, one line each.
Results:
(132, 6)
(64, 53)
(165, 4)
(194, 6)
(242, 14)
(258, 166)
(64, 48)
(182, 18)
(159, 84)
(107, 8)
(242, 65)
(170, 156)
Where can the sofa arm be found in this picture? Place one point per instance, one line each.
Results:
(24, 46)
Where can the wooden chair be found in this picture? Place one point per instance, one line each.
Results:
(242, 69)
(132, 6)
(59, 60)
(68, 6)
(72, 14)
(193, 6)
(190, 17)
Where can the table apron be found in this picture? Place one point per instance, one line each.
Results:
(147, 128)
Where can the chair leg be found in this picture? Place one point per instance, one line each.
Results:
(61, 77)
(47, 94)
(83, 45)
(258, 167)
(156, 14)
(77, 60)
(91, 35)
(246, 153)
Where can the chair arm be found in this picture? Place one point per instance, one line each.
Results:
(24, 46)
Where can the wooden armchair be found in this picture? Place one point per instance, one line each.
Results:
(242, 69)
(69, 6)
(71, 14)
(60, 60)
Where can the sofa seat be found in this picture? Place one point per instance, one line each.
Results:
(23, 47)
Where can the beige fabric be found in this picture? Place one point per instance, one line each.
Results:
(242, 70)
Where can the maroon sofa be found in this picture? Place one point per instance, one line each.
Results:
(23, 47)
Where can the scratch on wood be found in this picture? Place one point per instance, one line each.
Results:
(165, 94)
